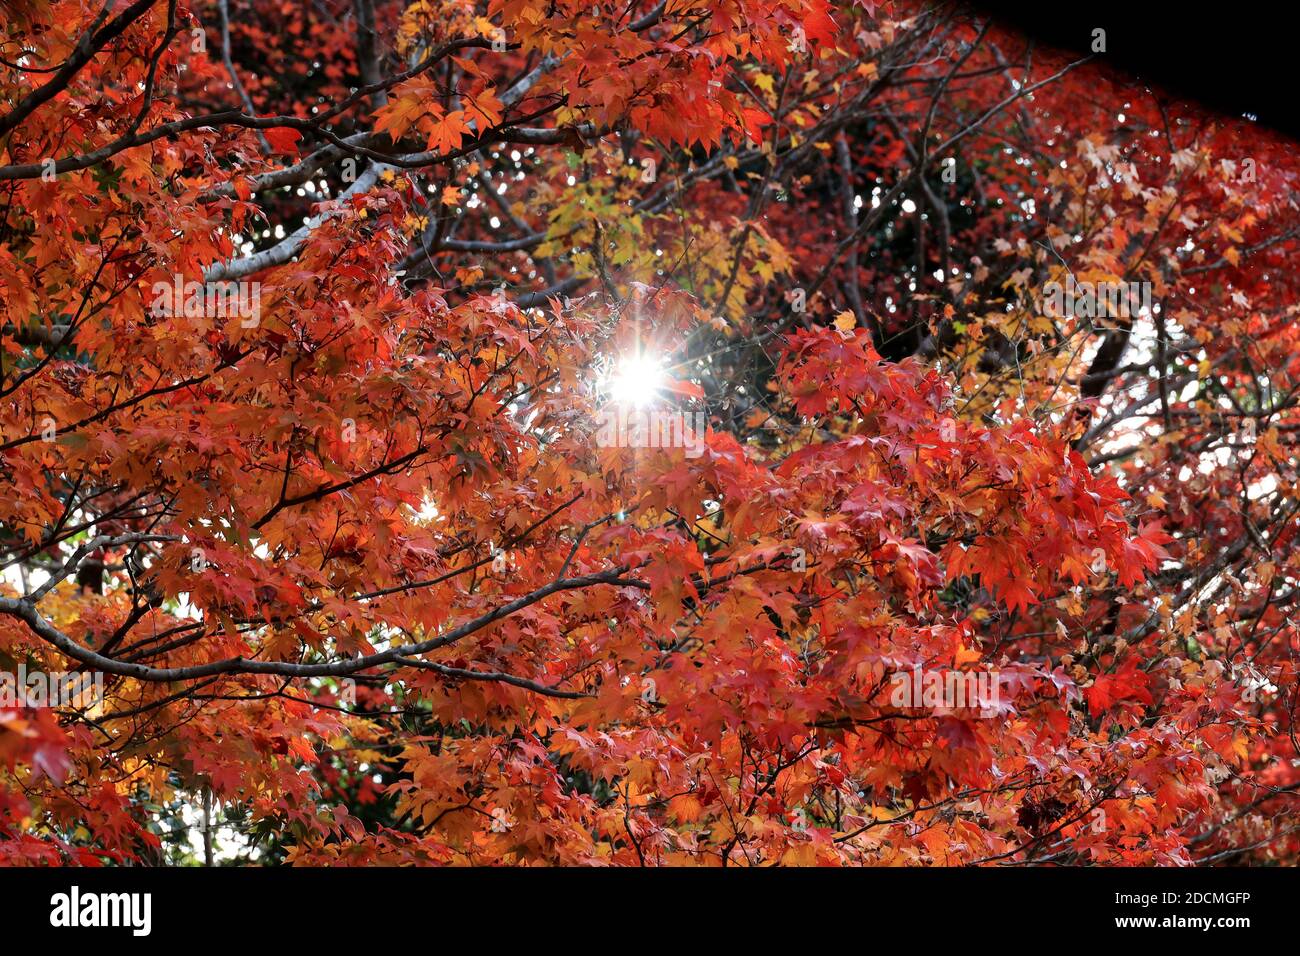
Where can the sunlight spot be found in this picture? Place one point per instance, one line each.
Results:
(636, 381)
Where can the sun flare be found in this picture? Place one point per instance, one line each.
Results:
(636, 381)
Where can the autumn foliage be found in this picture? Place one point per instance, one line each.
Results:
(365, 587)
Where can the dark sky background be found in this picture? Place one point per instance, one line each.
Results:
(1236, 57)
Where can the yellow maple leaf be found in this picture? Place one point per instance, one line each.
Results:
(399, 115)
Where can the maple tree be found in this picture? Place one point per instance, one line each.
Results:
(365, 587)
